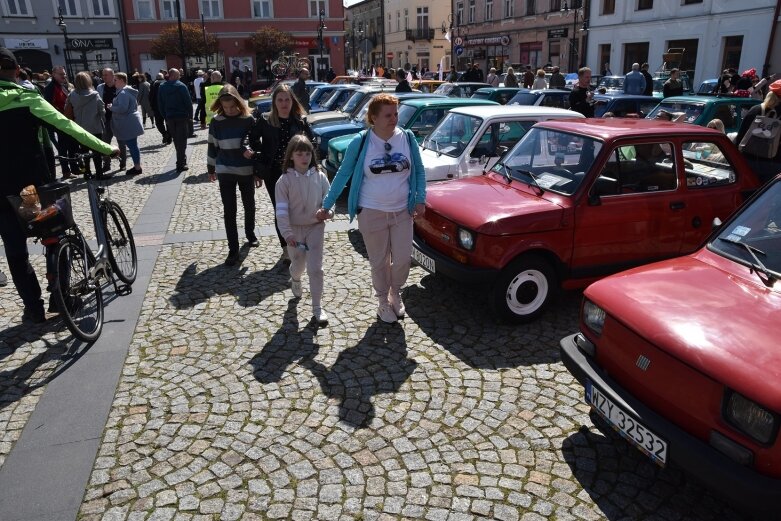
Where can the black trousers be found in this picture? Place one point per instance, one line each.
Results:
(179, 130)
(18, 257)
(271, 185)
(246, 185)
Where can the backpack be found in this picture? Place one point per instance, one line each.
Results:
(763, 136)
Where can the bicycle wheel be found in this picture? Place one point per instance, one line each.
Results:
(121, 246)
(79, 298)
(279, 68)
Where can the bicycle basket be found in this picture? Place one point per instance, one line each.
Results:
(51, 216)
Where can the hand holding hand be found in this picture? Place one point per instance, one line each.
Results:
(419, 211)
(248, 153)
(322, 214)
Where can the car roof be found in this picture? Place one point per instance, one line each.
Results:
(611, 128)
(444, 100)
(492, 111)
(621, 95)
(709, 99)
(494, 89)
(467, 83)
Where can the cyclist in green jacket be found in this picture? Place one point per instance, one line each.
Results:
(24, 114)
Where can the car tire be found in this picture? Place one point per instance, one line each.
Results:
(524, 289)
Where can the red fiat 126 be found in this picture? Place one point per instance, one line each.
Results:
(576, 200)
(682, 358)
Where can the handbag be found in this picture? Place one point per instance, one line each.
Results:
(763, 136)
(69, 112)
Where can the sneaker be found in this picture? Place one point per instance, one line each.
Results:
(134, 171)
(232, 259)
(34, 314)
(3, 279)
(385, 313)
(285, 257)
(295, 285)
(253, 242)
(320, 317)
(396, 304)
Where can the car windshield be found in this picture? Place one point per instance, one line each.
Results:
(524, 98)
(551, 159)
(691, 111)
(405, 113)
(444, 89)
(754, 236)
(336, 99)
(353, 102)
(453, 134)
(319, 92)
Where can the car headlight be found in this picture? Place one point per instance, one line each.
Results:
(466, 239)
(593, 317)
(749, 417)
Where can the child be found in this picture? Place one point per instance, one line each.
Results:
(299, 194)
(225, 161)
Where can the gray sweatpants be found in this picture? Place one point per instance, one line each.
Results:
(312, 260)
(388, 240)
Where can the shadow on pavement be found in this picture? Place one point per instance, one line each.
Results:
(194, 179)
(162, 177)
(627, 485)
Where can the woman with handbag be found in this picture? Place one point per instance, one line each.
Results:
(387, 190)
(756, 142)
(126, 120)
(85, 107)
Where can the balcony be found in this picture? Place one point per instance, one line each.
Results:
(420, 34)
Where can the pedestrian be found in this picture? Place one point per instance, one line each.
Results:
(107, 91)
(226, 164)
(300, 192)
(89, 113)
(239, 86)
(199, 101)
(634, 82)
(453, 75)
(143, 99)
(212, 92)
(649, 80)
(159, 120)
(387, 190)
(24, 114)
(126, 120)
(581, 99)
(207, 81)
(175, 106)
(477, 73)
(56, 92)
(539, 80)
(557, 80)
(267, 141)
(492, 79)
(300, 91)
(528, 78)
(764, 167)
(511, 80)
(673, 86)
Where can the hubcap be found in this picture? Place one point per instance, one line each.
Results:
(527, 292)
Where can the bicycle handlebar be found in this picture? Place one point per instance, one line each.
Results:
(83, 155)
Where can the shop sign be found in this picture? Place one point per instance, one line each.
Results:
(557, 33)
(90, 43)
(26, 43)
(491, 40)
(309, 44)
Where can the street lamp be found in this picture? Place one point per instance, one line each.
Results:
(64, 28)
(360, 37)
(205, 42)
(577, 8)
(181, 36)
(320, 28)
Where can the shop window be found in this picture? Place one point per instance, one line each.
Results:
(634, 53)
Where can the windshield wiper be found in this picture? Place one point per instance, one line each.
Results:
(758, 267)
(534, 182)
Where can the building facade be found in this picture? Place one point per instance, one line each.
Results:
(233, 22)
(364, 34)
(88, 35)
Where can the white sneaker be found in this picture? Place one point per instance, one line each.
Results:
(396, 304)
(385, 313)
(320, 317)
(295, 285)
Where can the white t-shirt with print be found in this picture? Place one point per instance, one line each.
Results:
(386, 173)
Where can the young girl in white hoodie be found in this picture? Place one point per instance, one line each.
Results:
(299, 194)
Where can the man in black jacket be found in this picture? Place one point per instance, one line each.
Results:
(159, 121)
(649, 81)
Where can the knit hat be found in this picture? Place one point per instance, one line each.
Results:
(7, 59)
(775, 87)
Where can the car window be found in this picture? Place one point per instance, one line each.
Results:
(646, 107)
(453, 134)
(643, 167)
(426, 121)
(691, 111)
(555, 100)
(706, 165)
(504, 134)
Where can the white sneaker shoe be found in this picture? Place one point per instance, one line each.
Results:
(295, 285)
(385, 313)
(320, 317)
(396, 304)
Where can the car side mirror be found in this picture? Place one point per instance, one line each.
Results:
(594, 199)
(716, 223)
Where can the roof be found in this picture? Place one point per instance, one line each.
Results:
(494, 89)
(621, 95)
(493, 111)
(708, 99)
(444, 100)
(628, 127)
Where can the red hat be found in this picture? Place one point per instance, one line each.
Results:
(750, 73)
(775, 87)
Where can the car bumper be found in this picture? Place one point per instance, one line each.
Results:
(449, 268)
(741, 485)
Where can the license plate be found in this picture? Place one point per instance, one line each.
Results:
(628, 427)
(424, 260)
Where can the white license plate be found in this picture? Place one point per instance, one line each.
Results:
(628, 427)
(424, 260)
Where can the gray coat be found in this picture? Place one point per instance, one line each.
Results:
(143, 96)
(88, 110)
(125, 119)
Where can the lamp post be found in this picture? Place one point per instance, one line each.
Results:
(181, 36)
(360, 37)
(205, 42)
(320, 28)
(577, 8)
(64, 28)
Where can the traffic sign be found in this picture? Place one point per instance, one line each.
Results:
(458, 40)
(459, 50)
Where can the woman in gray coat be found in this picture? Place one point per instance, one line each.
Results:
(125, 119)
(143, 99)
(88, 111)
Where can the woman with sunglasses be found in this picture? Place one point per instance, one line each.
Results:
(387, 189)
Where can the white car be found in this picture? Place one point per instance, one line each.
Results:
(470, 139)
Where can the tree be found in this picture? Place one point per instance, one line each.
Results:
(194, 45)
(269, 41)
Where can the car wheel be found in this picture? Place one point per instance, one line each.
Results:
(524, 289)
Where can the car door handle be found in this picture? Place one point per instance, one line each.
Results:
(677, 205)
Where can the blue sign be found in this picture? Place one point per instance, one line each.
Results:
(335, 39)
(459, 50)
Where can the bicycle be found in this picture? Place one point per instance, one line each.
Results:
(75, 273)
(289, 65)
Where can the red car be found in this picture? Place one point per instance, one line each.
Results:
(576, 200)
(680, 357)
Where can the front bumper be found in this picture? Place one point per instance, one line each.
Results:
(448, 267)
(740, 485)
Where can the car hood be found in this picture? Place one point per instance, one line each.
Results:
(338, 129)
(493, 207)
(340, 143)
(706, 311)
(328, 115)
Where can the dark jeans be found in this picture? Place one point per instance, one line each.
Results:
(18, 257)
(160, 124)
(97, 160)
(200, 110)
(246, 184)
(108, 135)
(179, 129)
(271, 186)
(66, 146)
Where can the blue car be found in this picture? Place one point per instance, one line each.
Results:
(397, 163)
(624, 105)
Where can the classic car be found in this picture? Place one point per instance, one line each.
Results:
(679, 357)
(699, 110)
(460, 89)
(576, 200)
(501, 95)
(469, 140)
(350, 108)
(558, 98)
(328, 95)
(624, 105)
(426, 85)
(260, 95)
